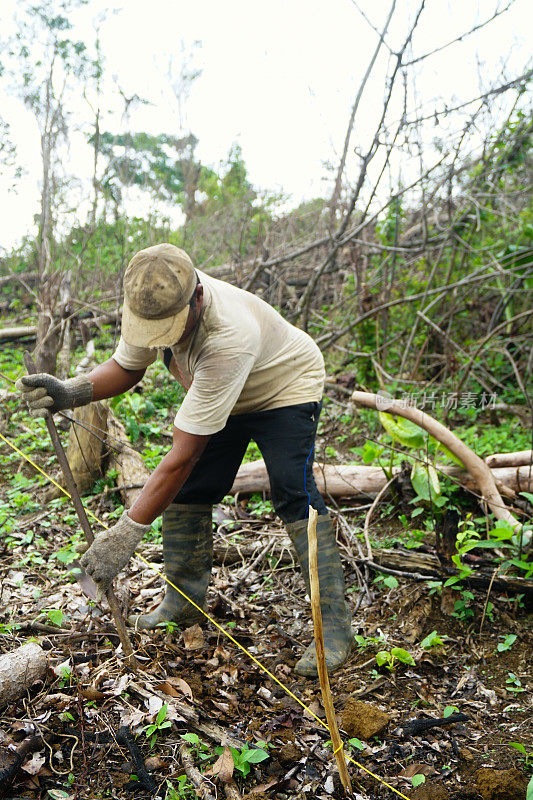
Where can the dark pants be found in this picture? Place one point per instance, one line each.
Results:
(286, 439)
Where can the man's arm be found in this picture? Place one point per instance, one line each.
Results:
(169, 476)
(43, 392)
(109, 379)
(111, 551)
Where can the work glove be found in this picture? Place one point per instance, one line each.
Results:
(43, 392)
(111, 551)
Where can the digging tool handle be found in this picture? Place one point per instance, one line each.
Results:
(72, 489)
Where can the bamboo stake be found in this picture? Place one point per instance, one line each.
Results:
(72, 489)
(320, 654)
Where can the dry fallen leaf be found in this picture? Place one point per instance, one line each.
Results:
(175, 687)
(154, 704)
(416, 769)
(155, 762)
(90, 693)
(223, 766)
(33, 766)
(193, 638)
(132, 717)
(316, 708)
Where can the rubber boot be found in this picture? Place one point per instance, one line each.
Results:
(188, 555)
(336, 617)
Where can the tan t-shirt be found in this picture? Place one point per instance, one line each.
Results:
(242, 357)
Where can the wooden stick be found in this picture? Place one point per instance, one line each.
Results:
(72, 489)
(320, 654)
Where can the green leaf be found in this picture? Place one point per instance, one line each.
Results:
(357, 743)
(66, 556)
(161, 714)
(418, 779)
(403, 431)
(425, 481)
(448, 453)
(507, 643)
(55, 615)
(431, 640)
(483, 543)
(382, 658)
(449, 710)
(529, 792)
(192, 738)
(402, 655)
(519, 746)
(370, 452)
(254, 755)
(390, 581)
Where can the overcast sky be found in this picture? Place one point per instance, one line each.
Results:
(279, 78)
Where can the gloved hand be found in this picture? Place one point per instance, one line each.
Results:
(111, 551)
(44, 392)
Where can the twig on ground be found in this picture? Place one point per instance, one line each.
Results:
(201, 785)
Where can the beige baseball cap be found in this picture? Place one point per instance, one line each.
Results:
(158, 285)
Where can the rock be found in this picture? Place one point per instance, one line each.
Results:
(363, 720)
(428, 791)
(501, 784)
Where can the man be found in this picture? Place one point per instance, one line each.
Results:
(248, 374)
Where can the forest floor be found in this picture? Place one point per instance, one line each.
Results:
(91, 721)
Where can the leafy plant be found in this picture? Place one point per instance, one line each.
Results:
(418, 779)
(54, 615)
(200, 749)
(151, 731)
(462, 609)
(184, 789)
(514, 684)
(508, 641)
(388, 658)
(387, 580)
(356, 744)
(243, 758)
(527, 754)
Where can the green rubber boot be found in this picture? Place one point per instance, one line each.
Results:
(336, 617)
(188, 555)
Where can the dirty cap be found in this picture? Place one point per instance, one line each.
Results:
(158, 285)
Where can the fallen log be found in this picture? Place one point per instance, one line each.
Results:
(477, 468)
(18, 333)
(352, 480)
(19, 669)
(128, 462)
(424, 566)
(518, 459)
